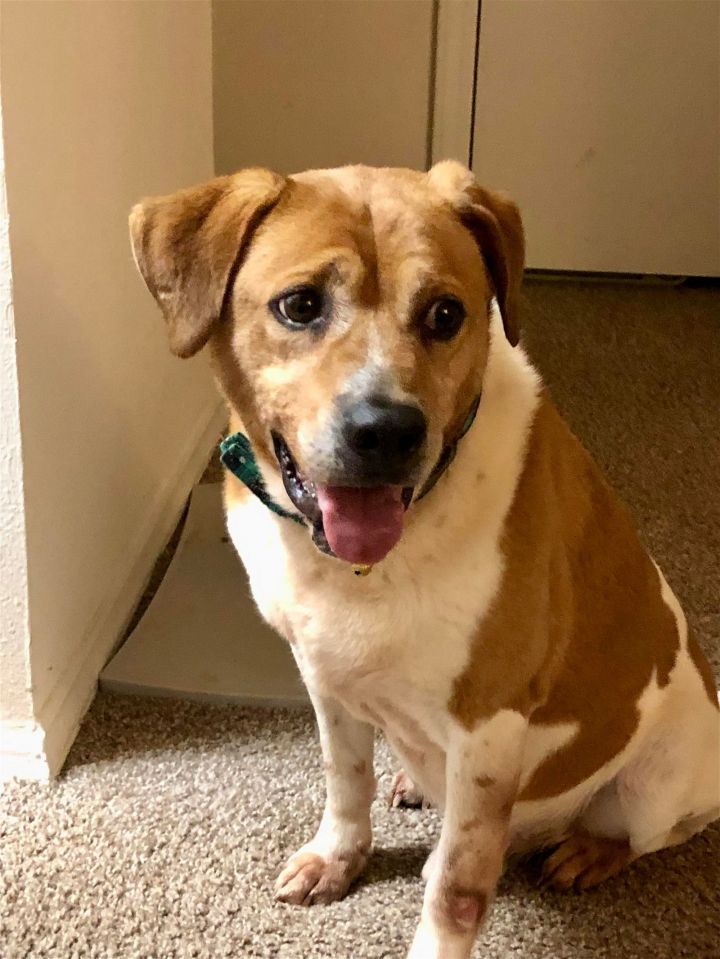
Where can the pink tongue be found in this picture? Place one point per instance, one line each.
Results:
(361, 525)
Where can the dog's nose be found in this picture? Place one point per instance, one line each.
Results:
(384, 433)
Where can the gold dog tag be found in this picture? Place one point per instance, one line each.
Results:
(362, 570)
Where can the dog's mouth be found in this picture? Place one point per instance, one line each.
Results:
(359, 524)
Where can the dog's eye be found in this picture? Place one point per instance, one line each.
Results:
(444, 318)
(299, 307)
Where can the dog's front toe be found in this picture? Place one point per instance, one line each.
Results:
(310, 879)
(405, 794)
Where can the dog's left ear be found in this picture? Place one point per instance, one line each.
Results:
(494, 220)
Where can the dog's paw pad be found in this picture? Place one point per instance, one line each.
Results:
(404, 793)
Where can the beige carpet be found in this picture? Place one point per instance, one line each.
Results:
(164, 834)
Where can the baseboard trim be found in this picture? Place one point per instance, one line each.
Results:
(533, 274)
(38, 751)
(22, 752)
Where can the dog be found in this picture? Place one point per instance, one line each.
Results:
(444, 558)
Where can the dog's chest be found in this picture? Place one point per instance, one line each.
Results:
(388, 646)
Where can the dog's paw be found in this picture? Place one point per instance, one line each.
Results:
(583, 861)
(310, 879)
(405, 794)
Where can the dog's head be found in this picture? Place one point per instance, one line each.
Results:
(348, 316)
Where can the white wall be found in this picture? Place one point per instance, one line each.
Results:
(16, 714)
(602, 120)
(315, 83)
(102, 103)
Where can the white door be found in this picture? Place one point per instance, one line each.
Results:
(602, 118)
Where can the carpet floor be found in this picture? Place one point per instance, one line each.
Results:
(164, 833)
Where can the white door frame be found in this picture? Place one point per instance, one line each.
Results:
(457, 42)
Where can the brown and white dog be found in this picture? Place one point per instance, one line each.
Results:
(514, 641)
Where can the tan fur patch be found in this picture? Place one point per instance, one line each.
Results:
(187, 246)
(579, 625)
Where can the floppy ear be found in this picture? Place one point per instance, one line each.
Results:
(189, 245)
(494, 220)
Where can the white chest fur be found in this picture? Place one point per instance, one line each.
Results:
(388, 646)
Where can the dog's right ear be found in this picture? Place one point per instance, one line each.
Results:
(189, 245)
(494, 220)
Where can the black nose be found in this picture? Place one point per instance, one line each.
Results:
(383, 433)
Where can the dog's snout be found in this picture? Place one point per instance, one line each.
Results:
(385, 432)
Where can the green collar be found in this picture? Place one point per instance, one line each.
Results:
(448, 452)
(236, 454)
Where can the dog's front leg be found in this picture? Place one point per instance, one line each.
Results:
(322, 870)
(483, 768)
